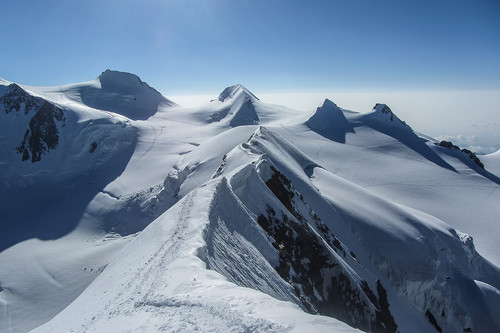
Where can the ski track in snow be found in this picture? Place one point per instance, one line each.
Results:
(146, 275)
(152, 125)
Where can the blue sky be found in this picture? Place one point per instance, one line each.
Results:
(200, 47)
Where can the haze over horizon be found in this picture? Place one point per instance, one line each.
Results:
(435, 64)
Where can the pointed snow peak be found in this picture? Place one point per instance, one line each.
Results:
(329, 109)
(326, 114)
(232, 91)
(328, 104)
(329, 121)
(239, 108)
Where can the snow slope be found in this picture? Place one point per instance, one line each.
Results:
(159, 284)
(492, 162)
(123, 211)
(117, 92)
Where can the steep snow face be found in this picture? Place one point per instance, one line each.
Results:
(55, 157)
(47, 152)
(238, 107)
(329, 121)
(426, 262)
(159, 284)
(320, 263)
(492, 162)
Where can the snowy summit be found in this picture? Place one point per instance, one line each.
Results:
(123, 211)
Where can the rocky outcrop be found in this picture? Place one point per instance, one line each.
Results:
(318, 277)
(472, 156)
(42, 133)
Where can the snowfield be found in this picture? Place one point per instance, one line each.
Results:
(123, 211)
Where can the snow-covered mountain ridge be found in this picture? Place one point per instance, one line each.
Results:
(123, 211)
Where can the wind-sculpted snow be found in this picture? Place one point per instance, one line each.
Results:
(236, 215)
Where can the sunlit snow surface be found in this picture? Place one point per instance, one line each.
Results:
(147, 216)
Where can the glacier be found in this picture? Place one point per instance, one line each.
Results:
(124, 211)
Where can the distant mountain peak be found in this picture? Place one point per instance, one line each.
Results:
(123, 93)
(326, 115)
(232, 91)
(383, 113)
(144, 216)
(114, 73)
(122, 82)
(329, 121)
(241, 109)
(384, 109)
(327, 103)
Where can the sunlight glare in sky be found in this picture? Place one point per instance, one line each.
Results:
(196, 47)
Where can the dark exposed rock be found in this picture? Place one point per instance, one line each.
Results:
(432, 320)
(447, 144)
(384, 319)
(16, 98)
(280, 186)
(472, 156)
(307, 263)
(42, 133)
(385, 110)
(286, 195)
(93, 147)
(218, 172)
(369, 293)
